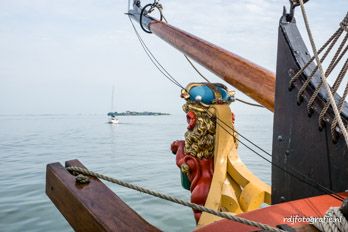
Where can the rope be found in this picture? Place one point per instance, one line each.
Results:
(294, 78)
(337, 83)
(340, 107)
(309, 78)
(334, 36)
(196, 69)
(175, 200)
(249, 103)
(344, 24)
(333, 221)
(323, 77)
(153, 58)
(335, 60)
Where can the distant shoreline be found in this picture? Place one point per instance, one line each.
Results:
(135, 113)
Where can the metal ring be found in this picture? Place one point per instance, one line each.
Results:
(153, 5)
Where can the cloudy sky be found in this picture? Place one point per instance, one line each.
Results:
(63, 56)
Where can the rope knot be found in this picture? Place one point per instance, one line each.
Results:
(82, 179)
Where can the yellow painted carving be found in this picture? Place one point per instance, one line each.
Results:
(234, 188)
(230, 194)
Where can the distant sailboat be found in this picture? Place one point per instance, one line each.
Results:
(112, 114)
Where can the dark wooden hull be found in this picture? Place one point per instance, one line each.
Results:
(299, 147)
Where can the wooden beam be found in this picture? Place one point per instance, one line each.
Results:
(253, 80)
(90, 207)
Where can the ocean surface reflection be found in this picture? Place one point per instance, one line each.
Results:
(136, 150)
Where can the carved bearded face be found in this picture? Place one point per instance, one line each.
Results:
(200, 135)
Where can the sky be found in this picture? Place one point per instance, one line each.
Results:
(64, 56)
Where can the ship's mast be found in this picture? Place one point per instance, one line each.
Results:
(112, 99)
(253, 80)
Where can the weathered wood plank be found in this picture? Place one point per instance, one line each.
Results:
(90, 207)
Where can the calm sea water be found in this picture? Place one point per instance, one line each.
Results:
(136, 150)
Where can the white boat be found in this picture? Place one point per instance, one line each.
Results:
(113, 120)
(112, 114)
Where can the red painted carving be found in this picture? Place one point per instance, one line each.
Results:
(200, 174)
(191, 120)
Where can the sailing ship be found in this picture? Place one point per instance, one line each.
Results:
(112, 114)
(309, 157)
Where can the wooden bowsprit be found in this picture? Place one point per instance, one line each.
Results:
(253, 80)
(92, 206)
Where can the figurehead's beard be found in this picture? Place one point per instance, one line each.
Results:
(200, 141)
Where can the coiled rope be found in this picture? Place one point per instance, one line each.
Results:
(173, 199)
(333, 221)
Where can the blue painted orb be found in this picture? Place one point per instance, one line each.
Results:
(206, 95)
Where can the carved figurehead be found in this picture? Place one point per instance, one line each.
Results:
(209, 164)
(195, 155)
